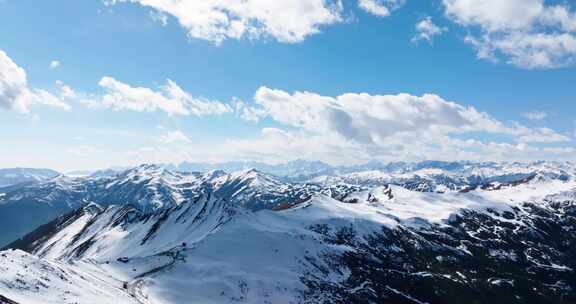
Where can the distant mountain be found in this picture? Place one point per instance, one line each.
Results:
(303, 170)
(13, 176)
(297, 169)
(443, 177)
(96, 173)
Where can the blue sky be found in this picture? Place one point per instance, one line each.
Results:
(503, 90)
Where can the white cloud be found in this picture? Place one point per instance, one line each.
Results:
(353, 128)
(538, 135)
(217, 20)
(54, 64)
(527, 50)
(535, 115)
(559, 16)
(494, 15)
(175, 136)
(525, 33)
(170, 98)
(380, 8)
(373, 118)
(16, 95)
(426, 29)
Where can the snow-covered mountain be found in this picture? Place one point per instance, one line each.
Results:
(302, 170)
(150, 187)
(13, 176)
(151, 235)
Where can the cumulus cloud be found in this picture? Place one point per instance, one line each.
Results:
(358, 127)
(380, 8)
(426, 29)
(170, 98)
(535, 115)
(16, 95)
(217, 20)
(373, 118)
(526, 33)
(175, 136)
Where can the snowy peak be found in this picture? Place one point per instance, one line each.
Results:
(254, 178)
(147, 172)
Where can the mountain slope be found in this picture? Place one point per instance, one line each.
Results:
(27, 279)
(525, 255)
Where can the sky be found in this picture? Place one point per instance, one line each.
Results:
(101, 83)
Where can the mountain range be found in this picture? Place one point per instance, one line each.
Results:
(15, 176)
(430, 232)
